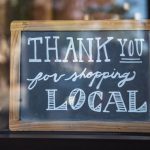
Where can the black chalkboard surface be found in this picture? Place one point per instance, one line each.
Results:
(95, 76)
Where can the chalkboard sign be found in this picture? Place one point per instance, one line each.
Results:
(80, 76)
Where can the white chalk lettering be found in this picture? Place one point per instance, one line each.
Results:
(132, 103)
(122, 42)
(131, 48)
(99, 47)
(91, 100)
(51, 101)
(82, 47)
(116, 98)
(80, 100)
(43, 77)
(139, 42)
(55, 49)
(94, 77)
(34, 40)
(71, 48)
(77, 98)
(125, 77)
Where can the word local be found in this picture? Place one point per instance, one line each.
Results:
(84, 47)
(77, 99)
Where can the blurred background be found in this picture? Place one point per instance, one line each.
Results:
(56, 10)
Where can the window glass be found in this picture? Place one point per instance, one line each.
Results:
(55, 10)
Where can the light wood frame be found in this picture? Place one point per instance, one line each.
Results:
(95, 126)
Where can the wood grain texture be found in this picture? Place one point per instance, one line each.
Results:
(80, 25)
(16, 124)
(81, 126)
(14, 76)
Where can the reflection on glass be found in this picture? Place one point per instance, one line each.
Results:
(57, 10)
(100, 73)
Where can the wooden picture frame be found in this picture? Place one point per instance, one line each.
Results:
(15, 124)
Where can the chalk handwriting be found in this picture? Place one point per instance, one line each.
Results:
(81, 50)
(43, 77)
(93, 77)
